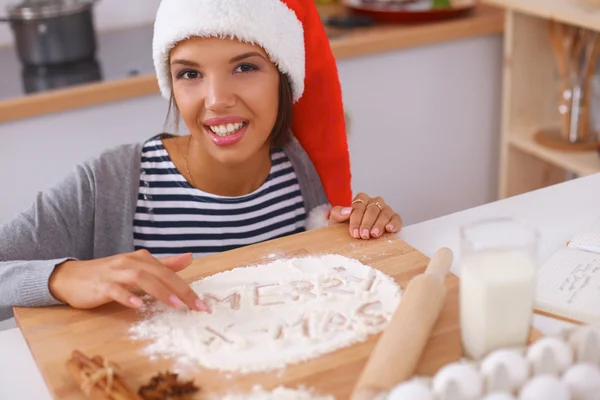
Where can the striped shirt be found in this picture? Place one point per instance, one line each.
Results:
(173, 217)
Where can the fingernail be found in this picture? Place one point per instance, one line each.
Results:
(201, 306)
(389, 227)
(175, 301)
(346, 211)
(136, 301)
(375, 232)
(355, 233)
(365, 233)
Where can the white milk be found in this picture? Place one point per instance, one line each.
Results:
(497, 294)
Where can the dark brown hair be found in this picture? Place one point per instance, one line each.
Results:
(280, 134)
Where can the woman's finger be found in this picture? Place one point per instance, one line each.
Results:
(359, 205)
(121, 295)
(181, 290)
(395, 224)
(340, 214)
(150, 284)
(180, 287)
(368, 221)
(384, 219)
(177, 263)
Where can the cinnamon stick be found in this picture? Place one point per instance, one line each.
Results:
(98, 379)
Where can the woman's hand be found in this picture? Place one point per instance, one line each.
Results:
(369, 217)
(89, 284)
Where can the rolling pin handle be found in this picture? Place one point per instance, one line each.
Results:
(440, 263)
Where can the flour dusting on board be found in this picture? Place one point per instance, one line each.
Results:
(268, 316)
(280, 393)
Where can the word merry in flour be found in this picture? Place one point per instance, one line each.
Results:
(279, 294)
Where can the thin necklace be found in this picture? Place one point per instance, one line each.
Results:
(187, 166)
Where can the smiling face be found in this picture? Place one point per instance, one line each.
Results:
(228, 95)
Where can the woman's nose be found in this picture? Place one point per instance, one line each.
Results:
(220, 94)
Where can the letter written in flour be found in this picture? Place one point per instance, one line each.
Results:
(288, 330)
(233, 299)
(266, 295)
(334, 285)
(368, 312)
(215, 336)
(303, 289)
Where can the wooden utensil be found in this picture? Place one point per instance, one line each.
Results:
(401, 345)
(575, 51)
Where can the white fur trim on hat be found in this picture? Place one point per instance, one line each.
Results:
(317, 217)
(267, 23)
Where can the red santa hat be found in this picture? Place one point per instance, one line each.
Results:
(291, 33)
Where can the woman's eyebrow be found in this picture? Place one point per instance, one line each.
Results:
(187, 63)
(246, 55)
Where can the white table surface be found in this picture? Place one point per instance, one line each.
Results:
(558, 212)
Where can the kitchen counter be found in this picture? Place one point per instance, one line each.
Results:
(550, 210)
(123, 68)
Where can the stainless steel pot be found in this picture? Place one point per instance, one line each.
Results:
(49, 32)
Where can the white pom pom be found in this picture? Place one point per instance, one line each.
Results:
(510, 362)
(584, 381)
(410, 390)
(550, 355)
(463, 378)
(545, 387)
(317, 217)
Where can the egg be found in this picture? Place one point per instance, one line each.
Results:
(585, 341)
(499, 396)
(458, 381)
(410, 390)
(504, 370)
(550, 355)
(583, 380)
(545, 387)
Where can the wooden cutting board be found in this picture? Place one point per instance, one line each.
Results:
(53, 333)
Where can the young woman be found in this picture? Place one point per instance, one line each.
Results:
(266, 156)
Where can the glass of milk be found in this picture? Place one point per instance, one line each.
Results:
(497, 280)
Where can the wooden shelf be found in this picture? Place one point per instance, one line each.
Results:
(579, 163)
(580, 13)
(530, 94)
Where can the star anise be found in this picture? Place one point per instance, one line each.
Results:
(165, 386)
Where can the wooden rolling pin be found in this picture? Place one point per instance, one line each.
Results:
(401, 344)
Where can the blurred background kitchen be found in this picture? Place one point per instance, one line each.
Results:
(422, 84)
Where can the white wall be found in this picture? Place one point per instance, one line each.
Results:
(37, 152)
(426, 125)
(109, 14)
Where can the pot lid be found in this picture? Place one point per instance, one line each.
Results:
(33, 9)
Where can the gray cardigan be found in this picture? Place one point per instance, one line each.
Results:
(89, 215)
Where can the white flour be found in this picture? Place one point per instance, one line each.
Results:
(265, 317)
(280, 393)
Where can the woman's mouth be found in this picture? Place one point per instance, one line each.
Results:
(227, 129)
(227, 133)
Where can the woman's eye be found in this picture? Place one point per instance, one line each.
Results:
(186, 74)
(246, 68)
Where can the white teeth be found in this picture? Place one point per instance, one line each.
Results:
(224, 130)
